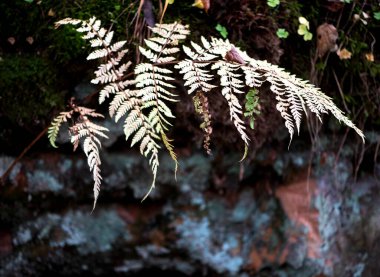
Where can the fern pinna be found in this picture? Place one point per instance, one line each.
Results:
(146, 100)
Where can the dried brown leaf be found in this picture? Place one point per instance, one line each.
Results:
(234, 56)
(370, 57)
(51, 13)
(344, 54)
(202, 4)
(327, 36)
(11, 40)
(29, 40)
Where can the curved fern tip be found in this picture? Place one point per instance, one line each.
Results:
(176, 170)
(245, 153)
(93, 207)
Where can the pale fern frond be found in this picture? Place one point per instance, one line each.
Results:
(231, 84)
(125, 106)
(117, 46)
(112, 62)
(112, 69)
(67, 21)
(153, 80)
(136, 125)
(86, 131)
(115, 88)
(91, 149)
(194, 73)
(108, 38)
(89, 132)
(293, 94)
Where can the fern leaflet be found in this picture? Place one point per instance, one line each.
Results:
(55, 125)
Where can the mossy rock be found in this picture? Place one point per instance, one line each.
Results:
(28, 88)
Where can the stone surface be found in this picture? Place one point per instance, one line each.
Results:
(218, 218)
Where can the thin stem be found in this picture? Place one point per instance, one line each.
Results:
(340, 91)
(12, 165)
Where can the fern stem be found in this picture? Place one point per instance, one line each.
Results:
(177, 62)
(12, 165)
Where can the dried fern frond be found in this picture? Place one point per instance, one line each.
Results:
(201, 106)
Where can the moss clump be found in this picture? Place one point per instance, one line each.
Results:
(28, 88)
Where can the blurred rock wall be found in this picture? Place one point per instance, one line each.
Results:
(267, 217)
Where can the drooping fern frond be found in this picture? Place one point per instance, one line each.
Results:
(88, 132)
(83, 130)
(91, 147)
(137, 126)
(153, 80)
(229, 80)
(197, 76)
(293, 94)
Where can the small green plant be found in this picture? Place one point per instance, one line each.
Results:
(282, 33)
(303, 29)
(273, 3)
(222, 30)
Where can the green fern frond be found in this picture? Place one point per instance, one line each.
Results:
(252, 106)
(55, 125)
